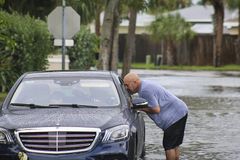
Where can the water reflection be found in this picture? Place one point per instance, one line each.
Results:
(219, 89)
(200, 86)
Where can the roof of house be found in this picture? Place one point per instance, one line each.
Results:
(202, 28)
(196, 13)
(193, 14)
(203, 14)
(199, 15)
(143, 19)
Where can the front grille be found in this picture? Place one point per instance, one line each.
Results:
(57, 140)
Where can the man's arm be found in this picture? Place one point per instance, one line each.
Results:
(151, 110)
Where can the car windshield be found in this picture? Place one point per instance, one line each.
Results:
(66, 92)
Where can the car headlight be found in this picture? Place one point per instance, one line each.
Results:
(5, 136)
(116, 133)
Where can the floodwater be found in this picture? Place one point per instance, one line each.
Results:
(213, 129)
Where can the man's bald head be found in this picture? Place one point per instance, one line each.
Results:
(132, 82)
(131, 77)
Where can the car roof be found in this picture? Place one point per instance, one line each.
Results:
(97, 74)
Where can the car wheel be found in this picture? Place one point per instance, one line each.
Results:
(143, 147)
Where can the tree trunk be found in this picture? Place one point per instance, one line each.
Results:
(107, 35)
(169, 51)
(164, 51)
(114, 57)
(130, 43)
(237, 50)
(237, 42)
(238, 20)
(97, 23)
(218, 16)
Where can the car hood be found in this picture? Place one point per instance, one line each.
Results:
(63, 117)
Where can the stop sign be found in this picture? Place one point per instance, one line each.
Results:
(71, 22)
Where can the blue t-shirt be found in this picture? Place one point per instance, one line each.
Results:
(172, 108)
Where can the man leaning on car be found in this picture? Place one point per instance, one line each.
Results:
(165, 109)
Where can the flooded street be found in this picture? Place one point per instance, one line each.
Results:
(212, 131)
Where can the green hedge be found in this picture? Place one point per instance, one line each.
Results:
(82, 54)
(24, 46)
(2, 96)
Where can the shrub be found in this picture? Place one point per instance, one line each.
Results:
(24, 46)
(82, 54)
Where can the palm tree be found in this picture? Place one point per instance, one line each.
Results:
(109, 36)
(233, 4)
(88, 10)
(159, 6)
(40, 9)
(99, 7)
(37, 8)
(171, 29)
(134, 6)
(2, 2)
(218, 6)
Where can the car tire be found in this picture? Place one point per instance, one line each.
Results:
(132, 150)
(144, 147)
(143, 152)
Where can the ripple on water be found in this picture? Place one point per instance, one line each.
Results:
(211, 131)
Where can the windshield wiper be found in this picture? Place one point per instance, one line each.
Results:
(73, 105)
(31, 105)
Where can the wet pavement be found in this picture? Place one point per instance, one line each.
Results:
(213, 98)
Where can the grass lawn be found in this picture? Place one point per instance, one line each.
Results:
(185, 68)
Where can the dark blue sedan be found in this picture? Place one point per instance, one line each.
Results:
(71, 115)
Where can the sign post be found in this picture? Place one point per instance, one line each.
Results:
(63, 23)
(63, 33)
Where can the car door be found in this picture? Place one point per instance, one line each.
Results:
(138, 122)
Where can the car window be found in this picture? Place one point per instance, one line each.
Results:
(125, 92)
(89, 92)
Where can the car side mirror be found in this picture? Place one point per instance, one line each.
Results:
(139, 103)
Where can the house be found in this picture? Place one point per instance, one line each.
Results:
(201, 18)
(143, 21)
(232, 25)
(198, 15)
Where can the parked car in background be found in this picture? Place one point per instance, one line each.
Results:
(71, 115)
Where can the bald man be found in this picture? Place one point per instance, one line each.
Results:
(165, 109)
